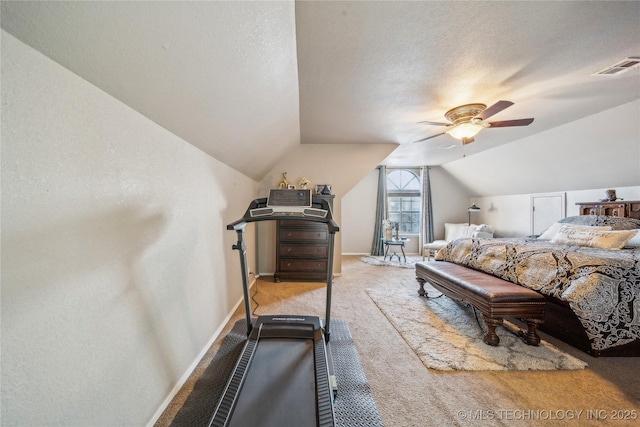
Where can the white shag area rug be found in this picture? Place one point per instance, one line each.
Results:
(378, 260)
(445, 335)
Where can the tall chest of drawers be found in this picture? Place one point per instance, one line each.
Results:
(302, 250)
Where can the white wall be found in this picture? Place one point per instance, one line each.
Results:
(117, 268)
(450, 200)
(511, 215)
(359, 214)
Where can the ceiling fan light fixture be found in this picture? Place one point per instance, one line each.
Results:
(465, 130)
(467, 120)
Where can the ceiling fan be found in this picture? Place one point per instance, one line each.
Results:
(469, 119)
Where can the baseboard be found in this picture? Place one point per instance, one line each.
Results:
(174, 391)
(266, 274)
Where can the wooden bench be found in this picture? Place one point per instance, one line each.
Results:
(493, 297)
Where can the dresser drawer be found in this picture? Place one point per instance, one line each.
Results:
(628, 209)
(303, 235)
(303, 265)
(303, 251)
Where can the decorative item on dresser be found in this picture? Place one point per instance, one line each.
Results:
(619, 208)
(302, 249)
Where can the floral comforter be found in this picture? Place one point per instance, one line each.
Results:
(601, 286)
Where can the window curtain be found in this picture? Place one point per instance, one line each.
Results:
(377, 248)
(426, 230)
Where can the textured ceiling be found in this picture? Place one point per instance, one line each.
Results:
(369, 71)
(249, 80)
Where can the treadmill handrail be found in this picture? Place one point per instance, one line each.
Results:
(261, 203)
(239, 227)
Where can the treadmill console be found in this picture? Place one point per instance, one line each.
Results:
(287, 204)
(294, 198)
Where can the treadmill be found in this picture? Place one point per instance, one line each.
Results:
(284, 375)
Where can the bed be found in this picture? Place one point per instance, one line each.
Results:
(592, 289)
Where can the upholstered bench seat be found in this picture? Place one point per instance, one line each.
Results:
(493, 297)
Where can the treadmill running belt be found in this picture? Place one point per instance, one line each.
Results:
(354, 405)
(279, 388)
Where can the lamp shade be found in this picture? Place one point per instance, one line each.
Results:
(465, 130)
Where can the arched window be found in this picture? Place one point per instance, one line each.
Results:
(404, 199)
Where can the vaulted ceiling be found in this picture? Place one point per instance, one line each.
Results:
(247, 81)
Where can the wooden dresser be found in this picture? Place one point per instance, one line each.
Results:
(620, 208)
(302, 249)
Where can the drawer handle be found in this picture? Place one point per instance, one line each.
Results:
(288, 249)
(289, 234)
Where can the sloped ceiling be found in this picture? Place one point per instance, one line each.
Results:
(247, 81)
(220, 75)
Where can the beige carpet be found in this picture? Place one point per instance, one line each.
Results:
(409, 394)
(446, 336)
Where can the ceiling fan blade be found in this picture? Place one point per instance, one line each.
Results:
(426, 122)
(507, 123)
(494, 109)
(429, 137)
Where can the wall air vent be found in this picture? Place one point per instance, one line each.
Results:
(619, 67)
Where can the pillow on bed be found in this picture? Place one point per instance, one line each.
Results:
(634, 242)
(553, 230)
(593, 238)
(616, 223)
(483, 231)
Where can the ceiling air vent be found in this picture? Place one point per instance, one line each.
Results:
(619, 67)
